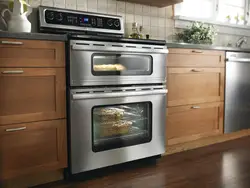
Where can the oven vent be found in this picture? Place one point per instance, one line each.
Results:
(98, 44)
(82, 92)
(131, 46)
(117, 45)
(157, 48)
(146, 47)
(157, 88)
(84, 44)
(117, 90)
(146, 89)
(98, 91)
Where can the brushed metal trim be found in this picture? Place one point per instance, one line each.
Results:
(16, 129)
(13, 72)
(197, 51)
(197, 70)
(117, 94)
(11, 42)
(238, 60)
(195, 107)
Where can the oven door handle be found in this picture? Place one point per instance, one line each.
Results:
(78, 47)
(81, 96)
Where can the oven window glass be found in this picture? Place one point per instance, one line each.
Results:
(119, 64)
(122, 125)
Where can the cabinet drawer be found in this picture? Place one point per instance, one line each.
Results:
(191, 122)
(195, 85)
(31, 94)
(32, 147)
(195, 57)
(31, 53)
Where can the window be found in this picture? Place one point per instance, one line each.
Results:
(227, 11)
(231, 10)
(196, 9)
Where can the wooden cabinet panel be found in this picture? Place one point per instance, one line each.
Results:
(195, 85)
(32, 147)
(191, 122)
(31, 53)
(195, 58)
(31, 94)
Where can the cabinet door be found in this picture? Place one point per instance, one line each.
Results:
(32, 147)
(195, 57)
(31, 53)
(195, 85)
(31, 94)
(191, 122)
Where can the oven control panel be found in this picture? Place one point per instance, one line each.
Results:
(78, 20)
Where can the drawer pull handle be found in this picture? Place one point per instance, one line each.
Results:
(13, 72)
(197, 51)
(195, 107)
(15, 129)
(12, 42)
(197, 70)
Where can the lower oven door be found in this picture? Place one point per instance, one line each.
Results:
(112, 128)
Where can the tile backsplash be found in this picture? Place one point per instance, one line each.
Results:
(157, 22)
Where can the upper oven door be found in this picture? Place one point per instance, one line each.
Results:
(102, 63)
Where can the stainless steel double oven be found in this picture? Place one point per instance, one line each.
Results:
(116, 89)
(117, 103)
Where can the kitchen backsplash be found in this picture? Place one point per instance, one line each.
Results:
(157, 22)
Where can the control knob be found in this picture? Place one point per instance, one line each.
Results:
(59, 17)
(117, 23)
(50, 16)
(110, 22)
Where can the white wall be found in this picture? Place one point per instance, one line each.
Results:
(157, 22)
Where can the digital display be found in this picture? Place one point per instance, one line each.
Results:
(85, 20)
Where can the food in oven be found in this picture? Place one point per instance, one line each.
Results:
(109, 67)
(109, 114)
(114, 128)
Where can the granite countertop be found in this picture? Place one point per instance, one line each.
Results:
(34, 36)
(206, 47)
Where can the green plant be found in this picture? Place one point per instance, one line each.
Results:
(228, 17)
(236, 18)
(197, 33)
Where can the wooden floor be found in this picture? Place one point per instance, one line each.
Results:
(225, 165)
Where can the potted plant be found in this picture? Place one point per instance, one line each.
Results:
(228, 17)
(197, 33)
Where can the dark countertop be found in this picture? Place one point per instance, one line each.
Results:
(34, 36)
(206, 47)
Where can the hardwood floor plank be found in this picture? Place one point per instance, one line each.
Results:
(224, 165)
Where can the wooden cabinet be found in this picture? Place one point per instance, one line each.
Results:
(195, 85)
(195, 58)
(195, 106)
(32, 107)
(192, 122)
(31, 53)
(31, 94)
(32, 147)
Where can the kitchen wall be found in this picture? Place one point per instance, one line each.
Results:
(157, 22)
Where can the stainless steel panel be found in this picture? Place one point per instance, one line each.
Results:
(237, 94)
(81, 68)
(43, 23)
(82, 156)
